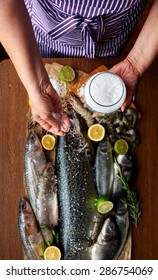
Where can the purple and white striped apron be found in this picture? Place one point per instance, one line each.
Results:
(83, 28)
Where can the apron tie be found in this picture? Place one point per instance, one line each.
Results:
(71, 23)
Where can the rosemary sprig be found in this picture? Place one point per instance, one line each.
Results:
(131, 198)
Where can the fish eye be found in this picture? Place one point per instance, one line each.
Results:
(23, 205)
(49, 169)
(32, 137)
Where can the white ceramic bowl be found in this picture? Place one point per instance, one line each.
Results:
(105, 92)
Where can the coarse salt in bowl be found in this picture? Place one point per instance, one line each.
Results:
(105, 92)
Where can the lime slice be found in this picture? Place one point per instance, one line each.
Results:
(121, 147)
(67, 74)
(96, 132)
(104, 205)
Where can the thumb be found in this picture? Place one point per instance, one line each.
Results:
(115, 68)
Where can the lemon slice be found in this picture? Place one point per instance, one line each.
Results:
(48, 141)
(104, 205)
(52, 253)
(96, 132)
(121, 147)
(29, 102)
(67, 74)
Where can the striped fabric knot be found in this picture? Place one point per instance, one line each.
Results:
(67, 25)
(71, 23)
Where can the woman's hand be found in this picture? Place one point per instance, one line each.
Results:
(130, 75)
(48, 112)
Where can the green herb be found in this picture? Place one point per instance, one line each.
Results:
(45, 226)
(55, 234)
(131, 198)
(43, 245)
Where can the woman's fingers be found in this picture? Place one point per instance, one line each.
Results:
(51, 124)
(65, 123)
(50, 113)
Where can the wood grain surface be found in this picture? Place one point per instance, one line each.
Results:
(13, 109)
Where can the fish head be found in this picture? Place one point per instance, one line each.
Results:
(75, 125)
(108, 232)
(121, 209)
(27, 218)
(33, 143)
(48, 172)
(125, 160)
(128, 166)
(24, 206)
(78, 135)
(34, 152)
(122, 213)
(105, 146)
(25, 211)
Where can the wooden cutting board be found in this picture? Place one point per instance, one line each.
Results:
(80, 80)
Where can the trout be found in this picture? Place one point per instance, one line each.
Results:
(80, 221)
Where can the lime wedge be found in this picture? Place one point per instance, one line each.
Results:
(104, 205)
(67, 74)
(121, 147)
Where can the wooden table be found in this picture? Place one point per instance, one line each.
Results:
(13, 109)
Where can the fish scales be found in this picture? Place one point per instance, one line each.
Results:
(47, 200)
(77, 195)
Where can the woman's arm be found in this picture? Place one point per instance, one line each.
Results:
(141, 55)
(146, 46)
(17, 37)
